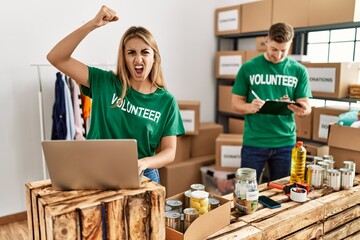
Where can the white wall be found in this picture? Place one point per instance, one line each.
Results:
(184, 31)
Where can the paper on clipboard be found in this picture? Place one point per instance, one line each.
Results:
(276, 108)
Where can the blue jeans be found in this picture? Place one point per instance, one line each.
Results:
(278, 159)
(153, 174)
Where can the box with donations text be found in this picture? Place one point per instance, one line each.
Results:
(228, 152)
(332, 80)
(204, 225)
(190, 114)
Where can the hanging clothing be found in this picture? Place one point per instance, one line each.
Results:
(86, 102)
(77, 106)
(59, 129)
(70, 122)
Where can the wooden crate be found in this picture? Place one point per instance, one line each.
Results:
(95, 214)
(326, 215)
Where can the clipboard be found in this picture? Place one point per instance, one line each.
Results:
(276, 108)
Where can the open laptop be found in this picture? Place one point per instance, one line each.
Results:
(92, 164)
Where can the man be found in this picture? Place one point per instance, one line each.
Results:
(271, 76)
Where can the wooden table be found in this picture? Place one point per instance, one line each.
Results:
(95, 214)
(325, 215)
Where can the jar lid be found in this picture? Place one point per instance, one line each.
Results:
(246, 173)
(199, 194)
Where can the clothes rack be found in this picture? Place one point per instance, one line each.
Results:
(41, 104)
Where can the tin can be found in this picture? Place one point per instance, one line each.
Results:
(350, 165)
(173, 220)
(315, 175)
(334, 177)
(213, 203)
(197, 187)
(316, 160)
(325, 165)
(190, 214)
(187, 196)
(328, 157)
(330, 162)
(176, 205)
(167, 208)
(347, 180)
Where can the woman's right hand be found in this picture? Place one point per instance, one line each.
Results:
(104, 16)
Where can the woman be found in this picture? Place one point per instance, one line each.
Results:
(133, 103)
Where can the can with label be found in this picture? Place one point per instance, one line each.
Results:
(350, 165)
(325, 165)
(176, 205)
(172, 220)
(190, 214)
(197, 187)
(213, 203)
(315, 175)
(347, 180)
(334, 179)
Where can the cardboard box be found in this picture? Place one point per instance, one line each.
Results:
(294, 12)
(228, 152)
(217, 182)
(227, 20)
(332, 79)
(256, 16)
(260, 43)
(316, 149)
(224, 99)
(204, 225)
(322, 117)
(177, 177)
(322, 12)
(204, 143)
(344, 143)
(190, 113)
(228, 63)
(250, 54)
(304, 126)
(236, 126)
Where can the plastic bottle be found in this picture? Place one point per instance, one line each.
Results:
(298, 161)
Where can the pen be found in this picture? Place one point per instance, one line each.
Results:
(252, 91)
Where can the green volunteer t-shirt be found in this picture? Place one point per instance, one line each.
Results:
(144, 117)
(271, 81)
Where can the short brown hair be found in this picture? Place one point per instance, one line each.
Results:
(281, 32)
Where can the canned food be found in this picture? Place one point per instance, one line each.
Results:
(347, 180)
(187, 196)
(330, 162)
(334, 177)
(173, 220)
(316, 160)
(167, 208)
(325, 165)
(315, 176)
(213, 203)
(190, 214)
(350, 165)
(176, 205)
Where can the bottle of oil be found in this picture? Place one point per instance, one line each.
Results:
(298, 160)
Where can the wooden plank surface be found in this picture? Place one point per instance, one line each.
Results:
(343, 231)
(341, 218)
(314, 231)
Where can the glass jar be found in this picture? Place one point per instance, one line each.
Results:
(200, 201)
(246, 193)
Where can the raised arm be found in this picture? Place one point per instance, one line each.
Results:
(60, 55)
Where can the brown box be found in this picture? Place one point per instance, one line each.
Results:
(228, 63)
(177, 177)
(344, 143)
(236, 126)
(322, 117)
(228, 152)
(256, 16)
(316, 149)
(250, 54)
(294, 12)
(190, 113)
(93, 214)
(183, 148)
(204, 143)
(205, 225)
(322, 12)
(227, 20)
(304, 126)
(224, 102)
(332, 79)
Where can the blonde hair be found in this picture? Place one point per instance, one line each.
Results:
(123, 73)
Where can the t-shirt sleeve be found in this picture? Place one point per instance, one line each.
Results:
(174, 124)
(96, 75)
(241, 86)
(303, 89)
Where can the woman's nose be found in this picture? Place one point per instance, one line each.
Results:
(138, 59)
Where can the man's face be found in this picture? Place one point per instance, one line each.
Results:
(276, 52)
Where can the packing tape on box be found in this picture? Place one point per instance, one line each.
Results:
(298, 194)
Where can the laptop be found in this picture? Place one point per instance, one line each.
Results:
(92, 164)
